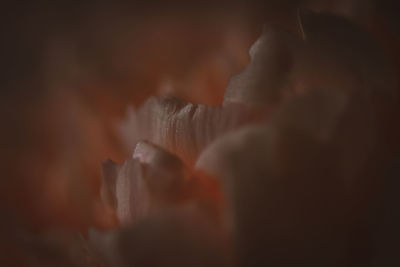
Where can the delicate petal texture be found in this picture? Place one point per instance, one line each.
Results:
(282, 65)
(165, 174)
(132, 196)
(293, 185)
(184, 129)
(150, 182)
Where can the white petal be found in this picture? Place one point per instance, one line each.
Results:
(265, 81)
(132, 195)
(285, 182)
(182, 128)
(165, 174)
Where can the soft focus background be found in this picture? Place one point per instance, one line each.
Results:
(70, 69)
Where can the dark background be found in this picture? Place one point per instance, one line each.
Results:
(69, 69)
